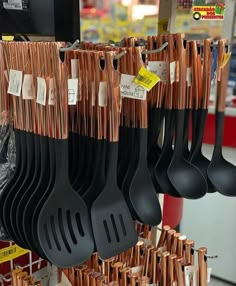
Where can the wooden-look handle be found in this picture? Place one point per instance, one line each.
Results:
(180, 246)
(179, 271)
(189, 252)
(202, 262)
(171, 269)
(181, 54)
(222, 77)
(175, 242)
(164, 268)
(170, 235)
(207, 72)
(163, 237)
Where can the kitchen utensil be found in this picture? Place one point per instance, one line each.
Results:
(221, 173)
(138, 189)
(64, 224)
(162, 165)
(182, 173)
(200, 115)
(202, 262)
(113, 228)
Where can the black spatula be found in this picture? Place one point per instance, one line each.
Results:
(64, 224)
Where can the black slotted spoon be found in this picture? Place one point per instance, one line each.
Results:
(64, 226)
(221, 173)
(113, 228)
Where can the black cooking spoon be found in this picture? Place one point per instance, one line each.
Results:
(139, 191)
(164, 161)
(197, 158)
(64, 226)
(221, 173)
(182, 173)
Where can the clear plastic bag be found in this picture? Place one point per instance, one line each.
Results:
(7, 162)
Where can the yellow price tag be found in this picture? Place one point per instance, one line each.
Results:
(163, 26)
(11, 252)
(226, 59)
(146, 79)
(8, 38)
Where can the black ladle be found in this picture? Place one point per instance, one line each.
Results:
(182, 173)
(165, 158)
(221, 173)
(140, 191)
(197, 158)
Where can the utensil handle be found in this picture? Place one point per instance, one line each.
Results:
(220, 116)
(179, 128)
(111, 160)
(61, 155)
(202, 261)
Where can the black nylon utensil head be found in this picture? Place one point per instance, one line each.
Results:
(46, 193)
(36, 194)
(14, 177)
(113, 228)
(25, 139)
(64, 226)
(221, 173)
(140, 192)
(156, 124)
(197, 158)
(186, 151)
(185, 177)
(23, 195)
(160, 170)
(99, 178)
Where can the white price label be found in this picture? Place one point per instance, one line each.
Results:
(189, 77)
(102, 94)
(159, 68)
(73, 85)
(41, 91)
(74, 68)
(129, 89)
(27, 88)
(209, 272)
(172, 72)
(15, 82)
(51, 91)
(191, 275)
(13, 5)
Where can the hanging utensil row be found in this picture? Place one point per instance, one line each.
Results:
(171, 262)
(86, 172)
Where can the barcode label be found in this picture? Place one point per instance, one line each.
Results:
(143, 79)
(5, 253)
(11, 252)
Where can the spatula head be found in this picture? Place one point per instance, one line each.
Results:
(64, 228)
(113, 227)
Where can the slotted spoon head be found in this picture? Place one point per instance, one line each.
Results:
(112, 223)
(64, 226)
